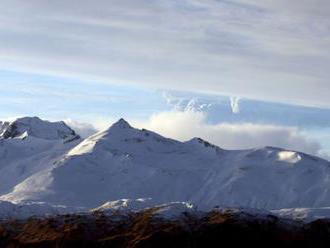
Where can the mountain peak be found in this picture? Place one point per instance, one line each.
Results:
(122, 124)
(128, 163)
(200, 141)
(34, 126)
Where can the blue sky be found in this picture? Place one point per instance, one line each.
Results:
(93, 105)
(241, 73)
(60, 98)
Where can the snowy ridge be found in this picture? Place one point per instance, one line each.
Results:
(127, 163)
(167, 210)
(32, 146)
(9, 210)
(3, 126)
(304, 214)
(33, 126)
(171, 210)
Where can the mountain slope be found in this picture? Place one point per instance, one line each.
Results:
(124, 162)
(33, 126)
(29, 145)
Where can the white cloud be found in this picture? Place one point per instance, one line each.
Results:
(268, 50)
(82, 128)
(184, 125)
(234, 103)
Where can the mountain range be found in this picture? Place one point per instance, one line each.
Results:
(48, 163)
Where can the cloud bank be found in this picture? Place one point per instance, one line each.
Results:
(267, 50)
(184, 125)
(82, 128)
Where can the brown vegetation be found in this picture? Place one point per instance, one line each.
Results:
(144, 230)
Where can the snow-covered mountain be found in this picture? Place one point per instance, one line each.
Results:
(127, 163)
(29, 145)
(35, 127)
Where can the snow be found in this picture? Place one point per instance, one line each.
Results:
(127, 163)
(36, 127)
(9, 210)
(125, 205)
(173, 210)
(3, 126)
(168, 210)
(304, 214)
(27, 153)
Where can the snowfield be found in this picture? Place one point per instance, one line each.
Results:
(45, 165)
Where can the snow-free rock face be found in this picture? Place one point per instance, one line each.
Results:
(127, 163)
(33, 126)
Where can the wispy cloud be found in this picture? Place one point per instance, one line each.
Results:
(234, 103)
(220, 109)
(270, 50)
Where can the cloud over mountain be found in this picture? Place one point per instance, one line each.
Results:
(186, 124)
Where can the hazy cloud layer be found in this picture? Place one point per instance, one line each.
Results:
(219, 109)
(184, 125)
(82, 128)
(270, 50)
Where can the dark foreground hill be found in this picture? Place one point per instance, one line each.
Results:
(144, 230)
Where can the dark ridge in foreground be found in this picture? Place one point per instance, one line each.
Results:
(144, 230)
